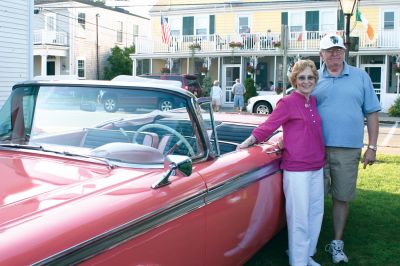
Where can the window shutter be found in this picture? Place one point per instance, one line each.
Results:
(212, 24)
(340, 20)
(188, 26)
(312, 20)
(284, 18)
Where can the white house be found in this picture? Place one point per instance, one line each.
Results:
(76, 37)
(15, 44)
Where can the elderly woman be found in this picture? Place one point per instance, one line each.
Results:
(216, 96)
(302, 161)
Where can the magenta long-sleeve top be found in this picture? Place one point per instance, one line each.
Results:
(302, 132)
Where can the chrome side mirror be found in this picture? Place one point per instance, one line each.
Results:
(174, 163)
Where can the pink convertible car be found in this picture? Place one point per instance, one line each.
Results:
(138, 186)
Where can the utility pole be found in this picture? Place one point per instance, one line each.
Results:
(284, 45)
(97, 47)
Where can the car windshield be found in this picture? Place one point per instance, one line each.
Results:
(122, 125)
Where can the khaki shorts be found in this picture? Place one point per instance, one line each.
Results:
(340, 172)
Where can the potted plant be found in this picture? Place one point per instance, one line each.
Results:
(195, 46)
(276, 44)
(234, 44)
(165, 70)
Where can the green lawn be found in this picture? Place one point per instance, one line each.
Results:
(372, 235)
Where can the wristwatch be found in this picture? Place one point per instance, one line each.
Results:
(373, 147)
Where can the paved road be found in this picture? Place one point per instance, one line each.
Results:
(389, 138)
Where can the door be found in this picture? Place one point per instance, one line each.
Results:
(376, 74)
(229, 74)
(51, 68)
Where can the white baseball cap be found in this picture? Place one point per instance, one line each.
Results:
(331, 40)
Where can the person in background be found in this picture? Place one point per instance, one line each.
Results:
(349, 89)
(303, 160)
(216, 96)
(271, 86)
(270, 39)
(238, 91)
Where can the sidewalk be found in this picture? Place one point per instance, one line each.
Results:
(383, 117)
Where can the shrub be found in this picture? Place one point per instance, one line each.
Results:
(394, 110)
(207, 84)
(119, 62)
(251, 90)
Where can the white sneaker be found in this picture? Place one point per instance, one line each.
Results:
(312, 262)
(336, 249)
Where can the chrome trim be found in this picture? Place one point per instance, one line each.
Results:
(242, 181)
(123, 233)
(134, 228)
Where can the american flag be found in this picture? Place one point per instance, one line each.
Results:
(165, 31)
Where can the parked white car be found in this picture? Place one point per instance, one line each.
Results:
(264, 103)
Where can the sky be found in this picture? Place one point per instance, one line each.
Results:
(139, 7)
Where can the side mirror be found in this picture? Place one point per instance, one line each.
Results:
(174, 163)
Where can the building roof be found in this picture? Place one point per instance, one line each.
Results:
(89, 2)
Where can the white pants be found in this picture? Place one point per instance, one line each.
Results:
(304, 193)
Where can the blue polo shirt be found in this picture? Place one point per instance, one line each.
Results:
(343, 102)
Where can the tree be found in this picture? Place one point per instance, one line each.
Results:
(120, 62)
(251, 90)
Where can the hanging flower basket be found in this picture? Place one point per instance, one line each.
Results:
(195, 46)
(165, 70)
(396, 69)
(277, 44)
(235, 45)
(203, 70)
(250, 69)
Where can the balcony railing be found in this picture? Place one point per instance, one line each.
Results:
(298, 41)
(50, 37)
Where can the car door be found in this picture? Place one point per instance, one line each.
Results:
(244, 202)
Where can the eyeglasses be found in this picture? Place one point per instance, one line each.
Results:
(334, 51)
(303, 78)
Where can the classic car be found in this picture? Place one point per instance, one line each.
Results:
(80, 185)
(265, 103)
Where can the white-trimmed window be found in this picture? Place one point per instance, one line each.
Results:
(201, 25)
(388, 20)
(50, 22)
(82, 19)
(296, 21)
(135, 30)
(120, 31)
(328, 20)
(243, 24)
(176, 25)
(81, 68)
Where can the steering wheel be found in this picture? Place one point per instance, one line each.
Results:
(170, 130)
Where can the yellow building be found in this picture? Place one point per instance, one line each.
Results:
(230, 38)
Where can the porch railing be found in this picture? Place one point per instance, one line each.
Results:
(50, 37)
(298, 41)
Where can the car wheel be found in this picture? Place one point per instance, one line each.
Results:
(110, 104)
(165, 105)
(262, 108)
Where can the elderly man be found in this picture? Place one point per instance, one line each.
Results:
(345, 96)
(238, 91)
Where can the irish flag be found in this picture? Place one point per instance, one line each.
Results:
(364, 21)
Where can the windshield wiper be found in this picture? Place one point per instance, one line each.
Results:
(21, 146)
(65, 153)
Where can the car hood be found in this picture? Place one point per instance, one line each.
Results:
(32, 183)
